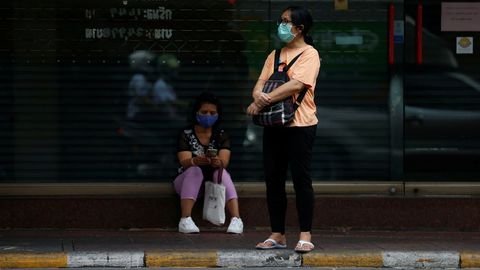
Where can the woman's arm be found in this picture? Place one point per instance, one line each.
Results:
(285, 90)
(260, 99)
(257, 90)
(222, 159)
(187, 160)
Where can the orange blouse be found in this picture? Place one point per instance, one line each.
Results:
(304, 70)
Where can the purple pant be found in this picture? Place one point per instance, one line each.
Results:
(188, 183)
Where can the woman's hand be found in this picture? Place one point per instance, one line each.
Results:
(201, 160)
(253, 109)
(262, 99)
(216, 162)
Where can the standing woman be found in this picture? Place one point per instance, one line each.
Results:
(290, 145)
(203, 149)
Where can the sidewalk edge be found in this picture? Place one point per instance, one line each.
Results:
(33, 260)
(470, 259)
(343, 258)
(181, 258)
(243, 258)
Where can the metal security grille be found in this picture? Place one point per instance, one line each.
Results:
(68, 68)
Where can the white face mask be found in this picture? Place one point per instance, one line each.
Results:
(284, 32)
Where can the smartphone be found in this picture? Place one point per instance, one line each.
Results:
(212, 152)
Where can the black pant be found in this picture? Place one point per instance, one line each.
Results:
(284, 146)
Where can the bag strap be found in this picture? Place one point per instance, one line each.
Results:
(220, 172)
(292, 62)
(276, 61)
(299, 99)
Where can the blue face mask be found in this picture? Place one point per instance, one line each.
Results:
(206, 120)
(284, 32)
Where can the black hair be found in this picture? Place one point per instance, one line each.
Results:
(205, 97)
(301, 16)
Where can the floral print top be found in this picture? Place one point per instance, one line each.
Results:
(188, 141)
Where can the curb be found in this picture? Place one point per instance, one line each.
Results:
(124, 259)
(255, 258)
(422, 259)
(242, 258)
(179, 258)
(343, 258)
(470, 259)
(33, 260)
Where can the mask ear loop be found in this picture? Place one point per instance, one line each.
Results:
(299, 29)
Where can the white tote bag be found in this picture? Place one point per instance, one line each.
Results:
(214, 204)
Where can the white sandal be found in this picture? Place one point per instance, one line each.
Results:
(275, 245)
(300, 246)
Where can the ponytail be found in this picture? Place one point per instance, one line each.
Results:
(308, 39)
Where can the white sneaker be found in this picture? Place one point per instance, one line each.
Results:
(186, 225)
(236, 226)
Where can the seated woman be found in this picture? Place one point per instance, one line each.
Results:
(204, 148)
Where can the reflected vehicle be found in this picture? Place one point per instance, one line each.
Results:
(442, 104)
(442, 122)
(352, 143)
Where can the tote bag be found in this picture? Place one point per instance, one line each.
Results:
(214, 201)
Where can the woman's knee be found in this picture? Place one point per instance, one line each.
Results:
(193, 170)
(230, 191)
(193, 173)
(225, 175)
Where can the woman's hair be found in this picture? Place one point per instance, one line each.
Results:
(301, 16)
(205, 97)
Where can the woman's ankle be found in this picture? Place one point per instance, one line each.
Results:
(278, 236)
(305, 236)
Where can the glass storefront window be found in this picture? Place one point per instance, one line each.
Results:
(442, 92)
(97, 91)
